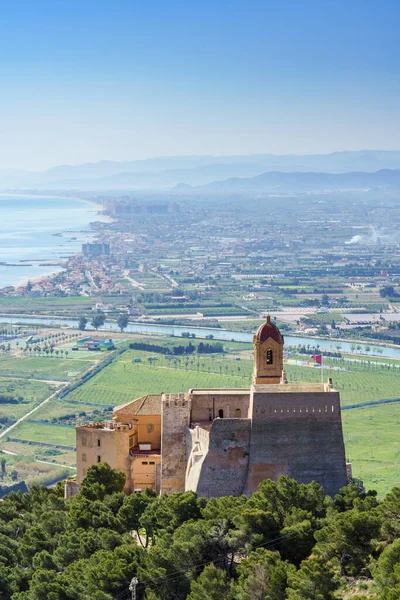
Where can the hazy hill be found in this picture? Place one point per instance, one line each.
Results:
(167, 172)
(278, 182)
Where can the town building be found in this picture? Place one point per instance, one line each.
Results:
(220, 442)
(95, 249)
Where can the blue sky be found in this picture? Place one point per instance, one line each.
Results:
(85, 81)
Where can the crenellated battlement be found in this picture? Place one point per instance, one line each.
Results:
(179, 400)
(297, 410)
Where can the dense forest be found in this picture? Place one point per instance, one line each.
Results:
(287, 541)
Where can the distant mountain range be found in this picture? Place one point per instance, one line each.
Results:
(278, 182)
(223, 172)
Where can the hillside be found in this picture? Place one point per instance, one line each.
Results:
(286, 542)
(166, 172)
(278, 182)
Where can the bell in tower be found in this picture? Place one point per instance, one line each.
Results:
(268, 354)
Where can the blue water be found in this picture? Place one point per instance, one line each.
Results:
(201, 332)
(27, 228)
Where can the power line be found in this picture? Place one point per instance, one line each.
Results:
(175, 574)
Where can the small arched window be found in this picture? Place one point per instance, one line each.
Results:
(270, 357)
(238, 413)
(221, 413)
(83, 457)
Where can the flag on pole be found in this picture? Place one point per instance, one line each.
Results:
(317, 358)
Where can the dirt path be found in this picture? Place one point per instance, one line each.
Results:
(28, 414)
(19, 378)
(48, 462)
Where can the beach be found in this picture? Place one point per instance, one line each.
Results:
(36, 230)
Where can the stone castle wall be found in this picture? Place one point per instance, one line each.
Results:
(207, 404)
(299, 435)
(175, 416)
(224, 467)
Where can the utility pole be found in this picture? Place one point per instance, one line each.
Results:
(132, 587)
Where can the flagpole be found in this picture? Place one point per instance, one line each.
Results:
(322, 368)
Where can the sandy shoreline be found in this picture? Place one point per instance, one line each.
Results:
(48, 274)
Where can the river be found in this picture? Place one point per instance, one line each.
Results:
(220, 334)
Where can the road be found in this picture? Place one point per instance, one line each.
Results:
(28, 414)
(49, 462)
(18, 377)
(133, 281)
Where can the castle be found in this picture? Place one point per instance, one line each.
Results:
(220, 442)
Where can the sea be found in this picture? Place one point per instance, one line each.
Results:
(41, 229)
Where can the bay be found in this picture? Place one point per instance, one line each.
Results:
(28, 225)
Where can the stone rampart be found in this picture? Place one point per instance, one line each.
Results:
(175, 416)
(224, 467)
(298, 434)
(207, 405)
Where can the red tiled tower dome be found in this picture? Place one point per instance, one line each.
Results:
(269, 330)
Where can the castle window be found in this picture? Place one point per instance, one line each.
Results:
(84, 441)
(221, 413)
(99, 459)
(152, 462)
(99, 442)
(144, 463)
(130, 441)
(83, 457)
(270, 357)
(238, 413)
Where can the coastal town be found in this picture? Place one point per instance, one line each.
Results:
(179, 260)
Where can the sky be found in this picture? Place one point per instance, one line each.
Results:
(82, 81)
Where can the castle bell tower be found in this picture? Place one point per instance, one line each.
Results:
(268, 354)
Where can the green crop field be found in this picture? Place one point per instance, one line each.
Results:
(123, 380)
(40, 452)
(355, 386)
(370, 434)
(26, 389)
(56, 369)
(58, 407)
(372, 439)
(32, 393)
(38, 432)
(70, 306)
(34, 472)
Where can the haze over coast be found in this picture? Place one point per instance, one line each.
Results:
(28, 239)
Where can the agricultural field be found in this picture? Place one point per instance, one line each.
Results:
(355, 385)
(373, 445)
(41, 432)
(31, 471)
(27, 390)
(28, 393)
(38, 452)
(47, 368)
(70, 306)
(60, 408)
(124, 380)
(359, 379)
